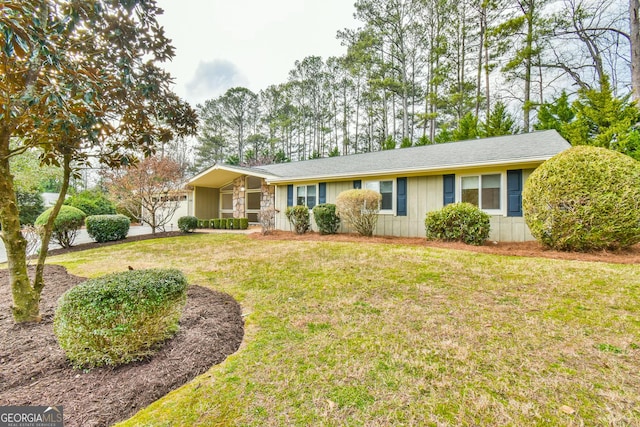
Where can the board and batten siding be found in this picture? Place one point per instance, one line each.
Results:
(424, 194)
(206, 202)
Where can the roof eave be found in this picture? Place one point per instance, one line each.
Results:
(532, 161)
(227, 168)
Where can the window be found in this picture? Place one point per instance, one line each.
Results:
(385, 188)
(482, 190)
(253, 197)
(226, 201)
(306, 196)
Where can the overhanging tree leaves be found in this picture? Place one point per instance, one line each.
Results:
(78, 83)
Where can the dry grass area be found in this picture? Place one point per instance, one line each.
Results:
(345, 333)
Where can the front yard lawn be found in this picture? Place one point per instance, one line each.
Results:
(379, 334)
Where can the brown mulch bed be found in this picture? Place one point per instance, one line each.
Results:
(527, 249)
(34, 371)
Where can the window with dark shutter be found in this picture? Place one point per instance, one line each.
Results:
(289, 195)
(401, 202)
(449, 186)
(322, 192)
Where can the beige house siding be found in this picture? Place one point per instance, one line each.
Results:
(206, 202)
(424, 194)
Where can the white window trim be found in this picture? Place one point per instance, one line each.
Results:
(503, 191)
(247, 191)
(394, 193)
(306, 202)
(220, 209)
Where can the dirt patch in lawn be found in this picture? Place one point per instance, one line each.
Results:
(528, 249)
(34, 371)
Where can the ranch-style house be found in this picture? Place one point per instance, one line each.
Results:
(488, 172)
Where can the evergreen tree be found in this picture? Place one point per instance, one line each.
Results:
(500, 122)
(468, 128)
(556, 115)
(602, 120)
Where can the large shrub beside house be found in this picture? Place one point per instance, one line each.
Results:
(359, 208)
(326, 218)
(299, 218)
(462, 222)
(585, 198)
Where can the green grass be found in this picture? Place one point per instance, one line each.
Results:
(367, 334)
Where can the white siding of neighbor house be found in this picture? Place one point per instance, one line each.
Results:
(424, 194)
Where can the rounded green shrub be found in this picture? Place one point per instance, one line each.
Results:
(326, 218)
(65, 226)
(585, 198)
(461, 222)
(216, 223)
(107, 228)
(92, 202)
(187, 224)
(299, 218)
(119, 318)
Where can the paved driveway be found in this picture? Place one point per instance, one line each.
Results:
(83, 237)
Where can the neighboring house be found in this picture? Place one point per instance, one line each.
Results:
(489, 173)
(171, 208)
(50, 199)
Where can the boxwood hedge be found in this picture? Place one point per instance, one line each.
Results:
(462, 222)
(107, 228)
(119, 318)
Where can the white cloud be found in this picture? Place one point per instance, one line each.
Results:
(212, 79)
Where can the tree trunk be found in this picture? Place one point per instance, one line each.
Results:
(26, 300)
(634, 12)
(480, 53)
(38, 280)
(527, 68)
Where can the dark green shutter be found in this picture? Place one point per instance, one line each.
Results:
(514, 192)
(449, 185)
(322, 192)
(401, 205)
(290, 195)
(357, 184)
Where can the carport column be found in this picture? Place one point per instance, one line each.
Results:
(268, 198)
(238, 198)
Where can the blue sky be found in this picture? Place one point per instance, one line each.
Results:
(252, 43)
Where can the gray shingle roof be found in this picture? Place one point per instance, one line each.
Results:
(511, 149)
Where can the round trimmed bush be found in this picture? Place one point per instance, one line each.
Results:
(326, 218)
(119, 318)
(187, 224)
(461, 222)
(585, 198)
(107, 228)
(65, 226)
